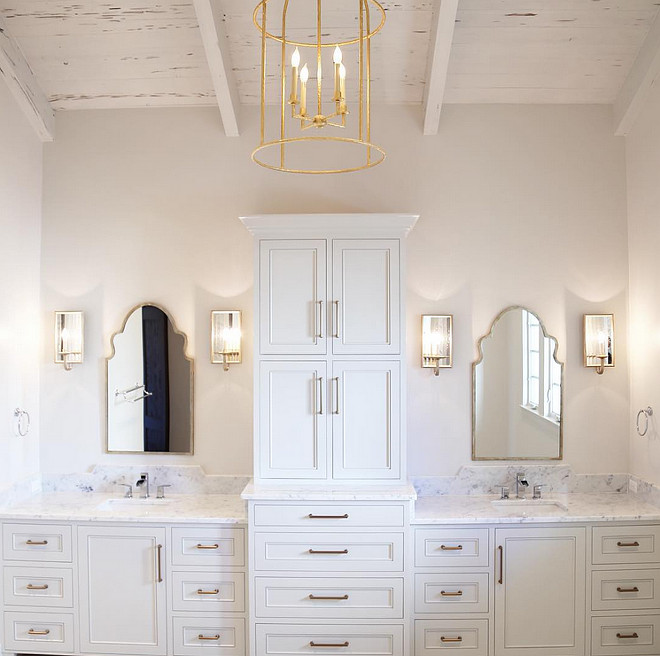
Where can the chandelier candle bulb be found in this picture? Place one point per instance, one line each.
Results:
(304, 76)
(342, 83)
(337, 59)
(295, 63)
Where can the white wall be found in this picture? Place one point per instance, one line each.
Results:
(519, 205)
(20, 319)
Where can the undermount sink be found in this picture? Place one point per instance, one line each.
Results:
(528, 504)
(136, 502)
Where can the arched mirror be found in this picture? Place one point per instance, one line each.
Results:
(149, 382)
(517, 394)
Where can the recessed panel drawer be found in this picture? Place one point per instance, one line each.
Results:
(632, 589)
(208, 591)
(335, 552)
(209, 547)
(450, 547)
(38, 586)
(336, 598)
(331, 640)
(38, 542)
(626, 544)
(451, 593)
(619, 636)
(451, 636)
(208, 636)
(339, 516)
(38, 632)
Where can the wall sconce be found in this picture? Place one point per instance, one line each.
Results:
(69, 338)
(599, 341)
(437, 351)
(226, 338)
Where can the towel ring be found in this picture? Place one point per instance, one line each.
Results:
(22, 419)
(647, 412)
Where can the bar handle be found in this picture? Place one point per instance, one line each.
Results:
(31, 586)
(627, 636)
(201, 636)
(635, 589)
(320, 404)
(208, 592)
(36, 632)
(322, 551)
(335, 319)
(319, 332)
(456, 639)
(312, 516)
(159, 563)
(36, 543)
(321, 598)
(336, 382)
(444, 593)
(500, 551)
(628, 544)
(207, 546)
(444, 547)
(329, 644)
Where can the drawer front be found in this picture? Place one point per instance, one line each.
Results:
(451, 593)
(208, 591)
(291, 639)
(618, 636)
(632, 589)
(451, 636)
(336, 598)
(334, 552)
(626, 544)
(38, 632)
(446, 547)
(209, 547)
(38, 586)
(309, 516)
(208, 636)
(39, 542)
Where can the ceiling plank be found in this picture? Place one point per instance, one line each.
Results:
(438, 63)
(22, 83)
(635, 90)
(216, 47)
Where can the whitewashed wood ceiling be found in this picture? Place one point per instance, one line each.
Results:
(135, 53)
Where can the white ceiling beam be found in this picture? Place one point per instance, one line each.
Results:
(216, 47)
(635, 90)
(21, 81)
(438, 63)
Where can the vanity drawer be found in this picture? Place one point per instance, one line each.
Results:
(619, 636)
(38, 632)
(331, 552)
(208, 636)
(450, 547)
(39, 542)
(208, 591)
(209, 547)
(451, 636)
(336, 598)
(38, 586)
(339, 516)
(632, 589)
(330, 640)
(451, 593)
(626, 544)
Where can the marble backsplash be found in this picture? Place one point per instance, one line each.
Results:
(20, 491)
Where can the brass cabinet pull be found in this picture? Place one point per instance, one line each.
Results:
(320, 404)
(320, 330)
(456, 639)
(201, 636)
(444, 547)
(500, 551)
(628, 544)
(322, 551)
(336, 381)
(311, 516)
(329, 644)
(31, 586)
(159, 549)
(336, 319)
(208, 592)
(315, 598)
(627, 636)
(635, 589)
(458, 593)
(37, 543)
(35, 632)
(207, 546)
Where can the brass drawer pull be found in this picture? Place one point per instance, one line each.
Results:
(635, 589)
(159, 563)
(37, 543)
(628, 544)
(322, 551)
(208, 592)
(207, 546)
(445, 548)
(203, 637)
(456, 639)
(315, 598)
(311, 516)
(458, 593)
(35, 632)
(329, 644)
(31, 586)
(627, 636)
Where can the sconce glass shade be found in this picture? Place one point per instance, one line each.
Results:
(599, 341)
(69, 338)
(437, 346)
(226, 337)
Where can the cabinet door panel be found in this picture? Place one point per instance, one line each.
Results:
(292, 420)
(365, 297)
(292, 291)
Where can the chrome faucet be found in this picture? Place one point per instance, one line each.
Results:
(143, 481)
(521, 480)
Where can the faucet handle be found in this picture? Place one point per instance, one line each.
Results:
(160, 491)
(129, 490)
(537, 491)
(504, 492)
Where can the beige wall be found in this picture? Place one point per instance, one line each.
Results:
(518, 205)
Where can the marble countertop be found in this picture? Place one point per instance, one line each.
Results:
(471, 509)
(319, 493)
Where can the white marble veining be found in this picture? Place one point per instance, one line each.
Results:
(19, 491)
(320, 493)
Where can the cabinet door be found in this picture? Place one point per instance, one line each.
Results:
(292, 293)
(122, 595)
(366, 432)
(540, 591)
(365, 312)
(292, 420)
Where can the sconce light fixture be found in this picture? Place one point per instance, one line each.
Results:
(437, 350)
(69, 338)
(599, 341)
(226, 338)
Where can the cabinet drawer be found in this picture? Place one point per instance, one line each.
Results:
(208, 636)
(38, 586)
(208, 591)
(295, 639)
(332, 552)
(632, 589)
(447, 547)
(451, 636)
(210, 547)
(38, 632)
(626, 544)
(39, 542)
(618, 636)
(451, 593)
(336, 598)
(339, 516)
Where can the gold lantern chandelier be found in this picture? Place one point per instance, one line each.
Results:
(321, 127)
